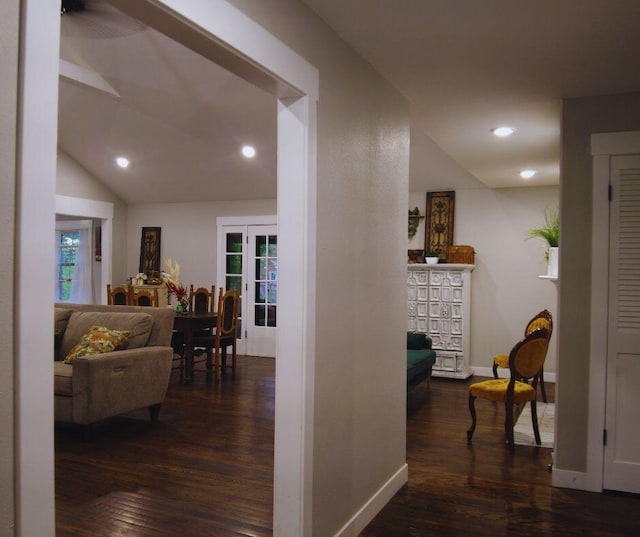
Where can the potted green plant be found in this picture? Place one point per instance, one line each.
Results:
(550, 233)
(431, 258)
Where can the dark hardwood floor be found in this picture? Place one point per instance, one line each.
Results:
(206, 469)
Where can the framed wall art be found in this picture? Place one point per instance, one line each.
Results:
(439, 222)
(150, 251)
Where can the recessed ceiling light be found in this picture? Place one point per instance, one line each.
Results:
(122, 162)
(527, 174)
(503, 131)
(248, 151)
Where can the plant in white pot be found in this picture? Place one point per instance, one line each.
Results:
(431, 258)
(550, 233)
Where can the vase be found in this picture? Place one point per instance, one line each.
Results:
(552, 264)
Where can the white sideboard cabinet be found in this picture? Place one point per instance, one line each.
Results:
(439, 304)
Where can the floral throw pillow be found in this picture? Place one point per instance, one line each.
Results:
(97, 340)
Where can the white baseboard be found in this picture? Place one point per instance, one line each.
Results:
(488, 372)
(375, 504)
(569, 479)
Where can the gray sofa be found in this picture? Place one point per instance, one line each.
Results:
(100, 386)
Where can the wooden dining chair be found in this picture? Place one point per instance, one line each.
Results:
(526, 360)
(225, 334)
(202, 299)
(540, 320)
(144, 297)
(118, 295)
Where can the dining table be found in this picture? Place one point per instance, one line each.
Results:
(189, 323)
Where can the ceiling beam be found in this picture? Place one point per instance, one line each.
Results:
(81, 76)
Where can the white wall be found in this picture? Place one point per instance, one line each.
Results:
(188, 234)
(362, 192)
(506, 290)
(75, 181)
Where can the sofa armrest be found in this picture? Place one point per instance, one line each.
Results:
(116, 382)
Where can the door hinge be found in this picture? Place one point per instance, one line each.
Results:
(610, 192)
(604, 437)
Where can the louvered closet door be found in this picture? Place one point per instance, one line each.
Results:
(622, 450)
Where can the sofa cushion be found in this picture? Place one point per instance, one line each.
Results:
(60, 321)
(97, 340)
(62, 379)
(139, 325)
(416, 340)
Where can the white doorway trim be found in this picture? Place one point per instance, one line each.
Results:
(256, 55)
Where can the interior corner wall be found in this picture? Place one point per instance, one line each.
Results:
(362, 195)
(75, 181)
(9, 44)
(581, 118)
(506, 290)
(188, 234)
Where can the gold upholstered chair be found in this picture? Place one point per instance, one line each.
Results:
(540, 320)
(525, 363)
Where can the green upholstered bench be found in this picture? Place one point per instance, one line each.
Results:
(420, 359)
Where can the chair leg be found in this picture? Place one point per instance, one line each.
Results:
(234, 355)
(217, 363)
(508, 425)
(495, 370)
(534, 421)
(209, 362)
(154, 412)
(472, 410)
(542, 390)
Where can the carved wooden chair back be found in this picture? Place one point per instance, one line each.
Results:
(202, 299)
(144, 297)
(118, 295)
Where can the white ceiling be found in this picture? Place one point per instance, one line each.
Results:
(465, 66)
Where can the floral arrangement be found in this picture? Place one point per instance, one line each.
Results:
(177, 290)
(141, 276)
(172, 279)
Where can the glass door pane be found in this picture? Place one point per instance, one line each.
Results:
(266, 280)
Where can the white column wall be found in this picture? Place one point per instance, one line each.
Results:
(362, 196)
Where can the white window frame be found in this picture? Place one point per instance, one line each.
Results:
(71, 225)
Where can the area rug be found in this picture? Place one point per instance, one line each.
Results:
(523, 430)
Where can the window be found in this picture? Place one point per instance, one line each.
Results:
(73, 261)
(67, 245)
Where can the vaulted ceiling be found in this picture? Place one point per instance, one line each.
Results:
(465, 67)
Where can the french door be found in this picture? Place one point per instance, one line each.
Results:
(248, 264)
(262, 291)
